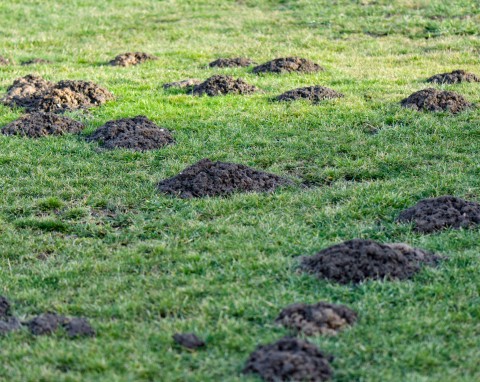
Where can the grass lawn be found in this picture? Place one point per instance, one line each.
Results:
(84, 232)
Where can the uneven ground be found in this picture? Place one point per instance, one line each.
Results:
(84, 232)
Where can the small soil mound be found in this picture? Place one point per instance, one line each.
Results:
(4, 307)
(45, 324)
(288, 65)
(290, 359)
(311, 93)
(36, 125)
(78, 327)
(221, 85)
(207, 178)
(320, 318)
(35, 61)
(454, 77)
(358, 260)
(188, 340)
(8, 323)
(183, 84)
(434, 214)
(131, 58)
(436, 100)
(4, 61)
(232, 62)
(138, 133)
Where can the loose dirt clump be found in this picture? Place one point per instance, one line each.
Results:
(454, 77)
(314, 94)
(132, 58)
(290, 359)
(320, 318)
(189, 83)
(39, 124)
(189, 340)
(358, 260)
(434, 214)
(221, 85)
(138, 133)
(45, 324)
(232, 62)
(288, 65)
(35, 61)
(78, 327)
(207, 178)
(26, 91)
(8, 323)
(4, 61)
(436, 100)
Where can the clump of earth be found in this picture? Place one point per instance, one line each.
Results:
(288, 65)
(40, 124)
(232, 62)
(290, 359)
(131, 58)
(189, 340)
(189, 83)
(137, 133)
(434, 214)
(4, 61)
(207, 178)
(358, 260)
(454, 77)
(436, 100)
(8, 322)
(320, 318)
(314, 94)
(222, 85)
(48, 323)
(35, 61)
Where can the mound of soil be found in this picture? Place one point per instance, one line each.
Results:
(358, 260)
(39, 124)
(35, 61)
(207, 178)
(430, 215)
(184, 84)
(26, 91)
(4, 61)
(320, 318)
(4, 307)
(290, 359)
(454, 77)
(311, 93)
(436, 100)
(221, 85)
(131, 58)
(78, 327)
(138, 133)
(232, 62)
(288, 65)
(188, 340)
(8, 323)
(48, 323)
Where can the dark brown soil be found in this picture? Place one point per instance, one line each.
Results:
(288, 65)
(207, 178)
(221, 85)
(78, 327)
(358, 260)
(430, 215)
(39, 124)
(138, 133)
(189, 83)
(311, 93)
(320, 318)
(436, 100)
(8, 323)
(35, 61)
(189, 340)
(131, 58)
(4, 307)
(45, 324)
(232, 62)
(454, 77)
(290, 359)
(4, 61)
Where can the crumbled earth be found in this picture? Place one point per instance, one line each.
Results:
(320, 318)
(436, 100)
(288, 65)
(358, 260)
(132, 58)
(8, 323)
(189, 340)
(290, 359)
(26, 91)
(138, 133)
(434, 214)
(4, 61)
(78, 327)
(35, 61)
(311, 93)
(39, 124)
(4, 307)
(221, 85)
(45, 324)
(207, 178)
(454, 77)
(231, 62)
(183, 84)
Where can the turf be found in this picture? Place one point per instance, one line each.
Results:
(83, 231)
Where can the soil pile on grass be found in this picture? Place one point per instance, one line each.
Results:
(359, 260)
(290, 359)
(78, 327)
(436, 100)
(288, 65)
(138, 133)
(131, 58)
(311, 93)
(39, 124)
(232, 62)
(454, 77)
(189, 83)
(48, 323)
(26, 91)
(430, 215)
(4, 61)
(188, 340)
(320, 318)
(8, 323)
(221, 85)
(35, 61)
(207, 178)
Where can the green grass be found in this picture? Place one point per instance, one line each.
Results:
(84, 232)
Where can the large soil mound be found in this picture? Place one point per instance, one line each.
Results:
(358, 260)
(288, 65)
(434, 214)
(231, 62)
(436, 100)
(207, 178)
(48, 323)
(454, 77)
(26, 91)
(311, 93)
(189, 83)
(290, 359)
(138, 133)
(131, 58)
(221, 85)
